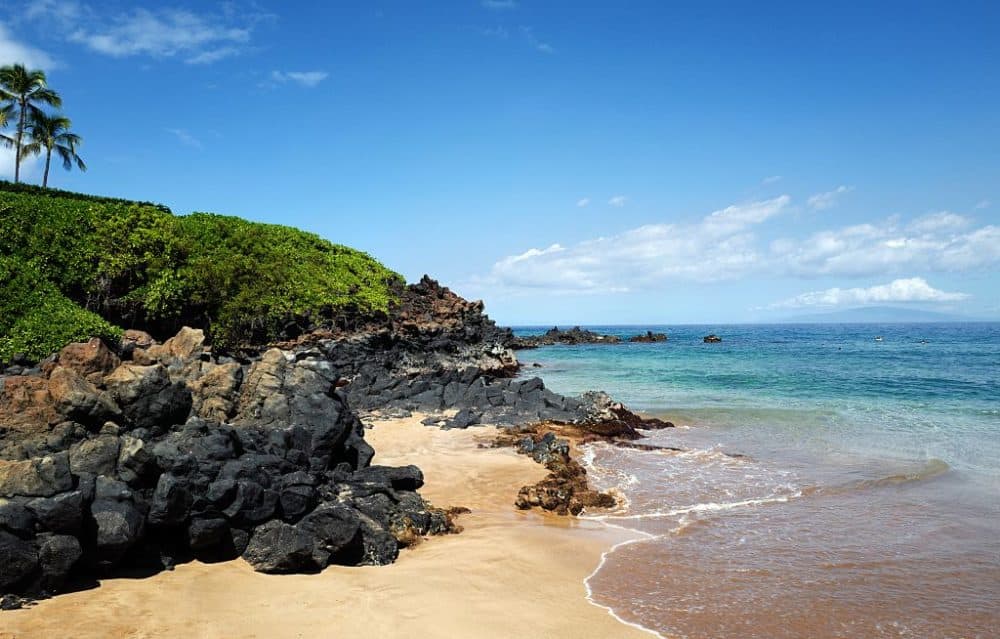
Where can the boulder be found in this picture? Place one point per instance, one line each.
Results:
(97, 456)
(62, 513)
(147, 396)
(207, 533)
(57, 554)
(18, 559)
(216, 391)
(26, 408)
(89, 357)
(79, 400)
(39, 477)
(277, 547)
(120, 525)
(711, 339)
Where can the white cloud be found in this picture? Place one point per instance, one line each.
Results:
(822, 201)
(886, 248)
(582, 202)
(941, 221)
(618, 201)
(724, 245)
(982, 204)
(196, 38)
(914, 289)
(771, 179)
(308, 79)
(31, 167)
(14, 51)
(499, 5)
(186, 138)
(715, 248)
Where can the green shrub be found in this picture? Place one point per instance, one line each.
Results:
(44, 191)
(36, 319)
(140, 266)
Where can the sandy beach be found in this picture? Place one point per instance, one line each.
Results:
(507, 573)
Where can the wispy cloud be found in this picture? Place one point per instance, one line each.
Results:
(982, 204)
(828, 200)
(499, 5)
(196, 37)
(535, 42)
(186, 138)
(771, 179)
(725, 245)
(618, 201)
(308, 79)
(12, 51)
(582, 202)
(910, 290)
(643, 258)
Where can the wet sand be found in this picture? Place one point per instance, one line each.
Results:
(508, 573)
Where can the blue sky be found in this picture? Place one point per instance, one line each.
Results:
(584, 162)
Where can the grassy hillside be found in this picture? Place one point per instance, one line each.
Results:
(106, 263)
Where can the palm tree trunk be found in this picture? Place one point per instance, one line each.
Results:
(48, 158)
(17, 149)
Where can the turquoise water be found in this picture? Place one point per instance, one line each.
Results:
(831, 485)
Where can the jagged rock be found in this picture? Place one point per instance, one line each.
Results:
(18, 559)
(207, 533)
(573, 336)
(97, 456)
(62, 513)
(711, 339)
(26, 408)
(78, 399)
(120, 524)
(277, 547)
(649, 338)
(57, 554)
(147, 396)
(39, 477)
(15, 517)
(89, 357)
(332, 527)
(216, 391)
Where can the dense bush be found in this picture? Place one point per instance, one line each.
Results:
(31, 189)
(36, 319)
(140, 266)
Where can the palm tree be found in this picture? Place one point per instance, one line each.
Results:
(51, 133)
(25, 90)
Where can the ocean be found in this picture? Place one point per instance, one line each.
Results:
(829, 484)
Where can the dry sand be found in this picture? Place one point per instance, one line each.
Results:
(508, 574)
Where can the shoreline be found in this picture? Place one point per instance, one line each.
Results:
(507, 566)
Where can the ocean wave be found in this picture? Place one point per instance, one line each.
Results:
(701, 508)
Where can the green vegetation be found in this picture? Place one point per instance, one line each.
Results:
(36, 319)
(78, 259)
(23, 94)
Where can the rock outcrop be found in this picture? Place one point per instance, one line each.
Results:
(572, 337)
(649, 337)
(711, 339)
(177, 453)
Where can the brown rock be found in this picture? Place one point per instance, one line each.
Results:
(215, 392)
(39, 477)
(138, 339)
(25, 405)
(89, 357)
(78, 399)
(186, 345)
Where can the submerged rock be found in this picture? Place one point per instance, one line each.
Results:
(711, 339)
